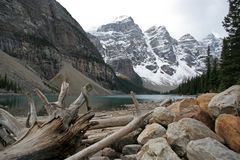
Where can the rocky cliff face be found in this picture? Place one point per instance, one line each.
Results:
(122, 46)
(124, 68)
(23, 75)
(161, 43)
(214, 43)
(42, 34)
(160, 60)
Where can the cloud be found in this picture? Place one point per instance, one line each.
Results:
(197, 17)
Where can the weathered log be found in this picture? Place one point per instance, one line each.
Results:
(112, 122)
(48, 142)
(166, 102)
(32, 115)
(10, 129)
(59, 137)
(6, 139)
(97, 137)
(10, 123)
(133, 125)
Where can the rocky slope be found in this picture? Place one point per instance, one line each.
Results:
(76, 80)
(23, 75)
(42, 33)
(160, 60)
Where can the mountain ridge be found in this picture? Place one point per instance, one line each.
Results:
(159, 59)
(41, 34)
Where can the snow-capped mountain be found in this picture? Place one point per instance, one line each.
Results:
(160, 60)
(214, 43)
(123, 39)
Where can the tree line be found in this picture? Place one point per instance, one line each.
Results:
(9, 85)
(224, 73)
(209, 81)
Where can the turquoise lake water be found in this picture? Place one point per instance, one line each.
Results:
(17, 104)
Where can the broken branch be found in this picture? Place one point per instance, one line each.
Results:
(133, 125)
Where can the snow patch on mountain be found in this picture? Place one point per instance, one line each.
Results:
(123, 18)
(156, 57)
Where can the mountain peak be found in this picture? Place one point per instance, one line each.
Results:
(159, 59)
(162, 28)
(187, 37)
(210, 36)
(154, 28)
(151, 29)
(123, 18)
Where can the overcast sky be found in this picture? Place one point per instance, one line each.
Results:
(197, 17)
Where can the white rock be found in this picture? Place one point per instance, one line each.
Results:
(227, 102)
(180, 133)
(151, 131)
(157, 149)
(163, 116)
(209, 149)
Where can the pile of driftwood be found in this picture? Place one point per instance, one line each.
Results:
(63, 135)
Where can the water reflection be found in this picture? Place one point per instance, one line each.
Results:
(18, 105)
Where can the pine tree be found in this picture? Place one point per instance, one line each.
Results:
(230, 58)
(214, 79)
(5, 80)
(208, 65)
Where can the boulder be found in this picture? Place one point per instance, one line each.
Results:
(194, 111)
(180, 105)
(225, 102)
(151, 131)
(131, 149)
(111, 153)
(205, 118)
(204, 99)
(228, 127)
(162, 116)
(174, 107)
(129, 157)
(188, 108)
(209, 149)
(131, 138)
(188, 112)
(180, 133)
(99, 158)
(187, 102)
(157, 148)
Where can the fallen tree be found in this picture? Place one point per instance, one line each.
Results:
(57, 138)
(63, 133)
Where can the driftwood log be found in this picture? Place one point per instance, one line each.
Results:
(57, 138)
(63, 133)
(107, 141)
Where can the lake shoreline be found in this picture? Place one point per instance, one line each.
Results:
(18, 105)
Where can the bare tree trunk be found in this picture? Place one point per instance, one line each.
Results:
(49, 142)
(57, 138)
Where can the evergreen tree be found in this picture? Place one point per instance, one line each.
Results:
(5, 80)
(208, 64)
(8, 84)
(214, 79)
(230, 58)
